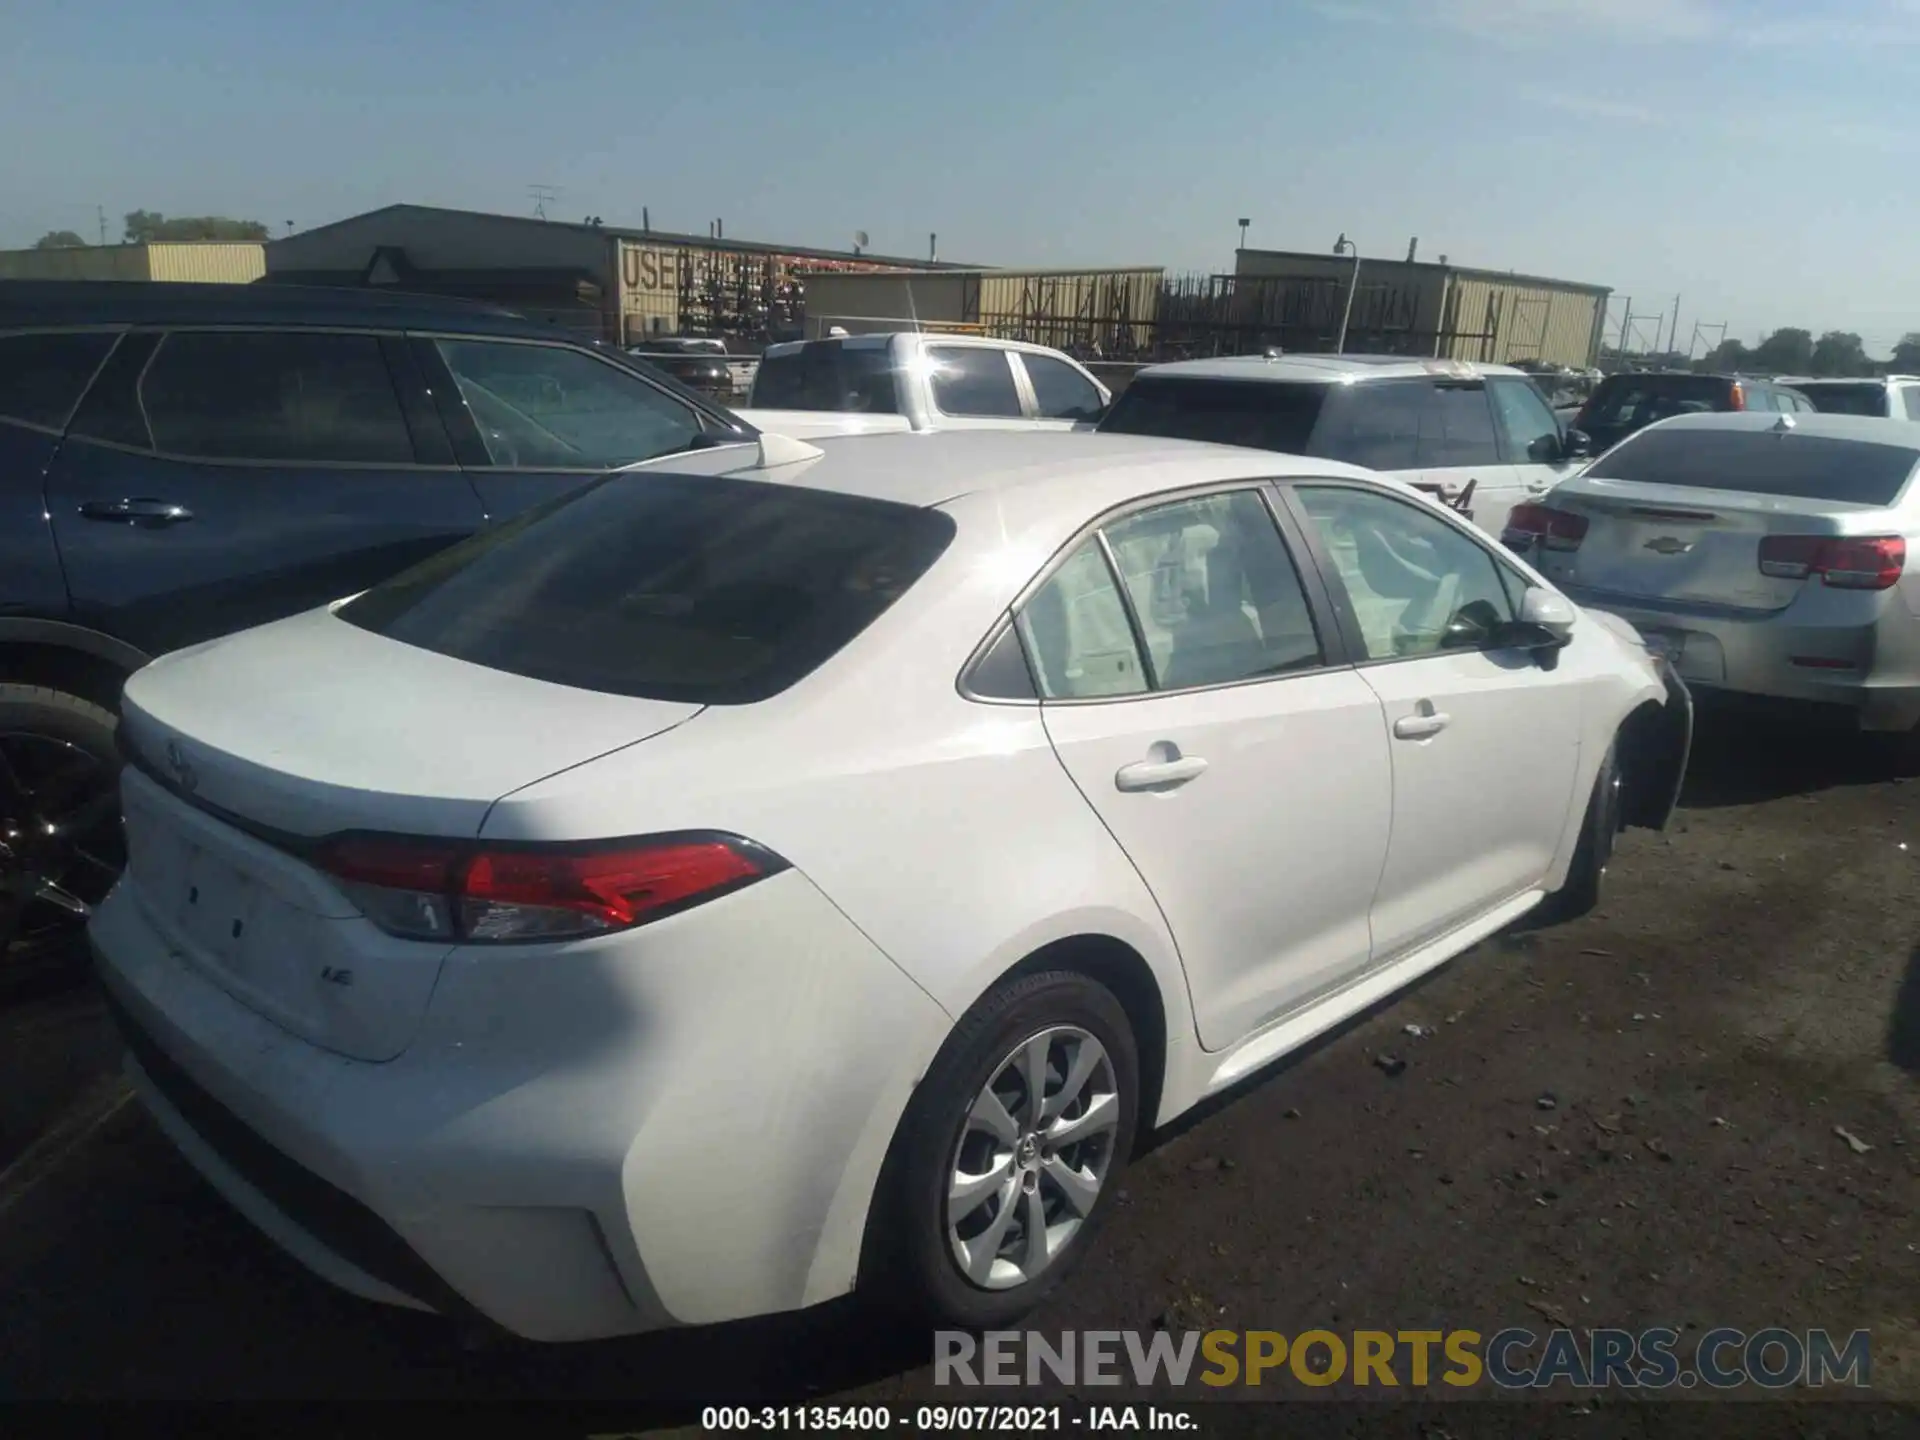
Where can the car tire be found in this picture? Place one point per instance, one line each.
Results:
(1580, 892)
(61, 765)
(922, 1223)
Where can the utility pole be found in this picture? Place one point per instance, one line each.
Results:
(541, 195)
(1626, 326)
(1673, 333)
(101, 212)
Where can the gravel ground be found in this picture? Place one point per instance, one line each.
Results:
(1632, 1120)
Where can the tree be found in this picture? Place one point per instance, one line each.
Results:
(1727, 355)
(59, 240)
(1839, 352)
(1906, 355)
(146, 226)
(1784, 352)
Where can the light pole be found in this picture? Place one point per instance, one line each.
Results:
(1243, 232)
(1344, 246)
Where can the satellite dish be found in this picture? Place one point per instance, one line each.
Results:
(859, 239)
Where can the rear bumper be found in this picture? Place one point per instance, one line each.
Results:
(1871, 669)
(683, 1125)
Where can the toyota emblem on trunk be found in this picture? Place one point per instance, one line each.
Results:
(182, 767)
(1668, 545)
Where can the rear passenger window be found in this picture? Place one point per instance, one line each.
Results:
(275, 396)
(1912, 396)
(1076, 632)
(1458, 429)
(1216, 594)
(1061, 392)
(42, 377)
(973, 380)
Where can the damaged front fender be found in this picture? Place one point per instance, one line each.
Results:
(1654, 746)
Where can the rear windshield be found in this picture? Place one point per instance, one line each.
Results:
(1761, 462)
(1636, 400)
(1846, 399)
(664, 587)
(826, 375)
(1256, 414)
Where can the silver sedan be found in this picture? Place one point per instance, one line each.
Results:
(1762, 554)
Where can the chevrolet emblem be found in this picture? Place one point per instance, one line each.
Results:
(1668, 545)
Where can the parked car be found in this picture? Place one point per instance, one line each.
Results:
(1891, 397)
(180, 461)
(1764, 554)
(701, 361)
(1632, 400)
(1478, 437)
(726, 889)
(920, 381)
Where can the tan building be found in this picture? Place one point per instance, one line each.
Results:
(612, 283)
(229, 262)
(1415, 308)
(1086, 311)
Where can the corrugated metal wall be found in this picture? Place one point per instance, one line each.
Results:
(231, 264)
(1501, 321)
(845, 300)
(666, 289)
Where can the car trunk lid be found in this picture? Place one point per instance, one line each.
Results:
(245, 753)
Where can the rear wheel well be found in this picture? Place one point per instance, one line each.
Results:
(58, 667)
(1119, 967)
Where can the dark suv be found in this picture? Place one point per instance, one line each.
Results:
(180, 461)
(1635, 399)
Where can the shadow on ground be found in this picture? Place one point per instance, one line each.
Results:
(1903, 1031)
(1747, 755)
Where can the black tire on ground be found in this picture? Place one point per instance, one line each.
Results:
(909, 1265)
(1598, 827)
(53, 957)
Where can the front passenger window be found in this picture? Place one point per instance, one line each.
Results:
(1416, 584)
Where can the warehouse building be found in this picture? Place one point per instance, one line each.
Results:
(228, 262)
(1089, 312)
(1409, 307)
(596, 280)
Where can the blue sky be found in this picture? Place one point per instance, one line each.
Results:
(1756, 157)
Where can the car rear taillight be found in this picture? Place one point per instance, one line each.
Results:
(1737, 400)
(515, 894)
(1552, 529)
(1846, 562)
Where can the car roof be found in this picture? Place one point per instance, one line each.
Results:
(28, 303)
(1324, 369)
(929, 469)
(1864, 429)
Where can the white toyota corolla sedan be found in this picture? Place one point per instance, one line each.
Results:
(717, 890)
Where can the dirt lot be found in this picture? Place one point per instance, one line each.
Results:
(1752, 983)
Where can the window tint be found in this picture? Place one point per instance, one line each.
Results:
(277, 395)
(826, 375)
(972, 380)
(1849, 399)
(1912, 396)
(1259, 416)
(1417, 585)
(1076, 632)
(550, 407)
(1376, 425)
(1002, 673)
(1215, 592)
(111, 410)
(1060, 391)
(1531, 433)
(1632, 401)
(669, 587)
(42, 377)
(1460, 431)
(1762, 462)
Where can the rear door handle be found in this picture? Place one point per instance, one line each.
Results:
(153, 514)
(1158, 774)
(1419, 727)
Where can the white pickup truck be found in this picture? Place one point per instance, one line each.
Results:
(856, 384)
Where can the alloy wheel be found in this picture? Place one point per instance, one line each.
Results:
(61, 844)
(1033, 1155)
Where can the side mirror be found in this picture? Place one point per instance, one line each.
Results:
(1576, 445)
(1551, 615)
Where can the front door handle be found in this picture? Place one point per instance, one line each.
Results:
(1419, 727)
(151, 513)
(1158, 774)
